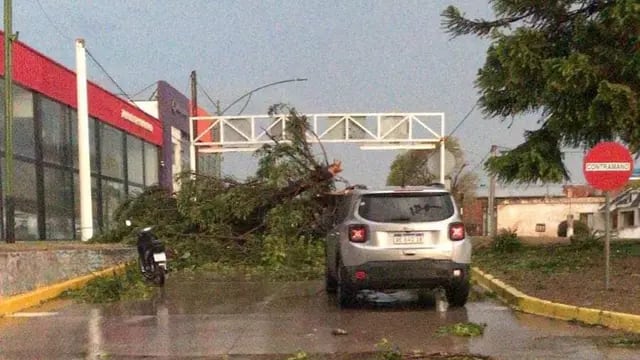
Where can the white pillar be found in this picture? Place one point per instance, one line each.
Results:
(86, 212)
(192, 147)
(442, 151)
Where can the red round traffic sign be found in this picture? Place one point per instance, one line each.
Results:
(607, 166)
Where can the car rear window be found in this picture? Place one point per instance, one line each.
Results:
(405, 207)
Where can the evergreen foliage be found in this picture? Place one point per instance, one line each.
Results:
(411, 168)
(574, 62)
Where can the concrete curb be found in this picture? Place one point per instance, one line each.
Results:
(532, 305)
(21, 302)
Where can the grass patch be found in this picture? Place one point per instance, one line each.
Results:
(631, 341)
(468, 329)
(546, 259)
(584, 324)
(551, 259)
(127, 286)
(626, 249)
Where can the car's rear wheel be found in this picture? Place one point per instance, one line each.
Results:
(346, 294)
(330, 282)
(457, 292)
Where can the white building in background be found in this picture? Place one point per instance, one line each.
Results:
(539, 210)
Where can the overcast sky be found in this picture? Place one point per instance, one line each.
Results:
(358, 56)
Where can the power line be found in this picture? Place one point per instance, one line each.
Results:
(245, 104)
(464, 118)
(110, 77)
(53, 24)
(206, 94)
(144, 89)
(480, 162)
(57, 29)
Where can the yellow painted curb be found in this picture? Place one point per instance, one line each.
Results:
(20, 302)
(532, 305)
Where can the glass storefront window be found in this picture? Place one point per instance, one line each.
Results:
(58, 202)
(92, 141)
(23, 138)
(23, 129)
(185, 155)
(150, 164)
(2, 113)
(26, 201)
(135, 165)
(111, 154)
(55, 131)
(1, 197)
(94, 202)
(112, 196)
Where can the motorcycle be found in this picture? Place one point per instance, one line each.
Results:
(151, 255)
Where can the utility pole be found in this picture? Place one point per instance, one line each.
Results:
(491, 216)
(193, 164)
(9, 206)
(218, 157)
(84, 160)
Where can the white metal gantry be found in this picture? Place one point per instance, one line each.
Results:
(372, 131)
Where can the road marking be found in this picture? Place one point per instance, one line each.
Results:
(33, 314)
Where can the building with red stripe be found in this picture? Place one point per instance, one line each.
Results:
(125, 142)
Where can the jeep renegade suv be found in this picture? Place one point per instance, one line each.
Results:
(409, 237)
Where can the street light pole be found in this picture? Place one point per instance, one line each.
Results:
(491, 218)
(9, 210)
(223, 111)
(248, 97)
(258, 89)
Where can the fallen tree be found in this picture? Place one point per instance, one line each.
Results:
(273, 219)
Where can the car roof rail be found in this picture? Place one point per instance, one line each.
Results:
(357, 186)
(437, 185)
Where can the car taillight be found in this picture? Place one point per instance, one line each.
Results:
(357, 233)
(456, 231)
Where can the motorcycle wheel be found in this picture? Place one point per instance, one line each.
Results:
(157, 274)
(148, 274)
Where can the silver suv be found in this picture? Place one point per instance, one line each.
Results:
(409, 237)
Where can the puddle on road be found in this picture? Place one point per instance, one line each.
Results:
(200, 318)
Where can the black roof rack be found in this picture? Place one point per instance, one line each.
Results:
(357, 186)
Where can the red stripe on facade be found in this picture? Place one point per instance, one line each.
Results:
(37, 72)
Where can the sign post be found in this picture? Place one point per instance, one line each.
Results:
(607, 166)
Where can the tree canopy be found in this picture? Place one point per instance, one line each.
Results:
(274, 219)
(576, 63)
(411, 168)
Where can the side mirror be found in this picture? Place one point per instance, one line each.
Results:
(127, 222)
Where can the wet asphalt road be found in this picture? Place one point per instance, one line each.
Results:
(198, 318)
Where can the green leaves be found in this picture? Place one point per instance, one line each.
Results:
(467, 329)
(271, 221)
(575, 61)
(538, 159)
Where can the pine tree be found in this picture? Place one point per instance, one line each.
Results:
(576, 63)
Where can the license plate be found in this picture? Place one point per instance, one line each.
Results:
(159, 257)
(407, 239)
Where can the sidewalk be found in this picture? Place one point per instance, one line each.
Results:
(33, 272)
